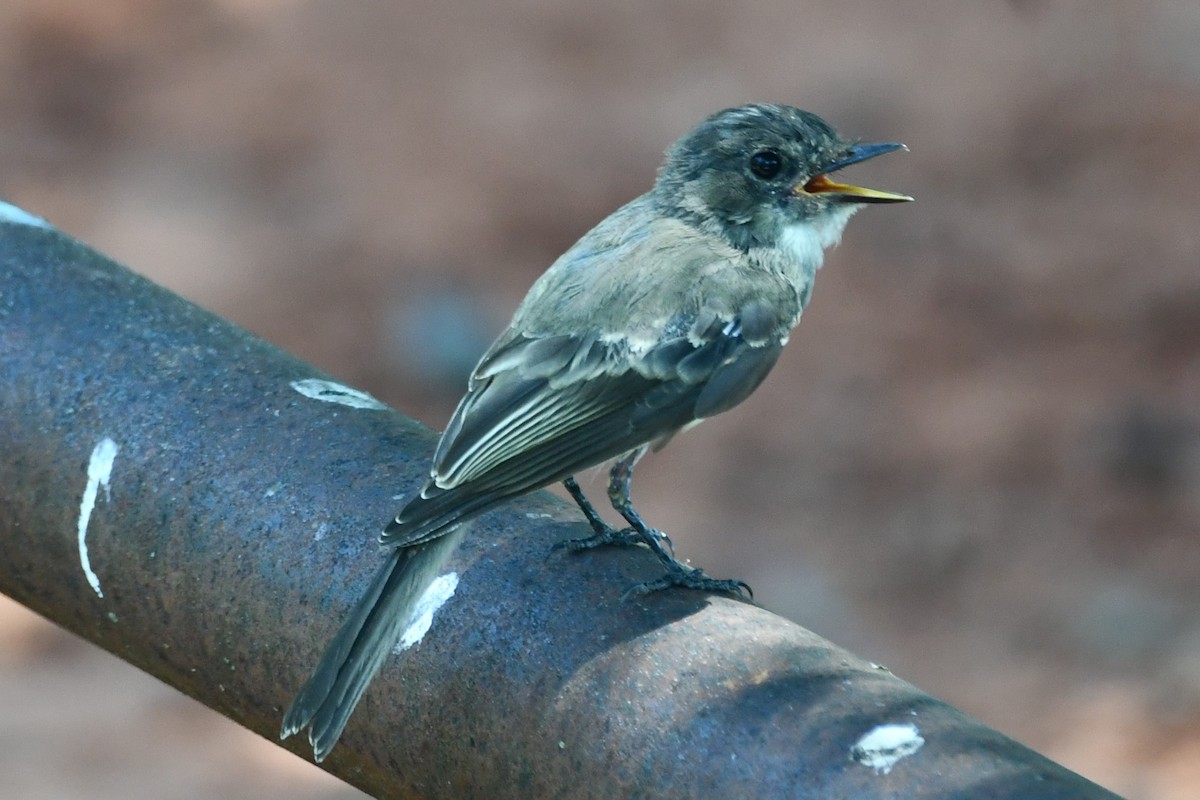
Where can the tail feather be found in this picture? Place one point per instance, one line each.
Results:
(428, 514)
(359, 648)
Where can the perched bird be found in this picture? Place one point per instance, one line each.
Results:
(671, 310)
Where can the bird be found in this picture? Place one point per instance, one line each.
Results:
(671, 310)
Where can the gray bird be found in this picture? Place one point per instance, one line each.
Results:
(671, 310)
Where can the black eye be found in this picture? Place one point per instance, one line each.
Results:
(766, 164)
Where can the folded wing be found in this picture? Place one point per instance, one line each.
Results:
(542, 409)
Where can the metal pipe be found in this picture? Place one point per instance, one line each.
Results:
(172, 491)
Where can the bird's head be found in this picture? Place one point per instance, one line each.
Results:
(756, 171)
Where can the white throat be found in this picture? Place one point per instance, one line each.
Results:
(800, 250)
(806, 242)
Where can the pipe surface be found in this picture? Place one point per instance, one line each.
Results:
(172, 491)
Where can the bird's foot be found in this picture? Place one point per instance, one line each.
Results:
(608, 536)
(639, 533)
(679, 574)
(605, 535)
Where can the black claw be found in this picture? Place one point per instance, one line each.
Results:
(690, 578)
(647, 587)
(664, 539)
(626, 537)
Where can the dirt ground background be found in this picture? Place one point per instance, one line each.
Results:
(979, 460)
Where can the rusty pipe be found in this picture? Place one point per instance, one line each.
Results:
(205, 506)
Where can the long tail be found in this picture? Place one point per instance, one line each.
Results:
(362, 644)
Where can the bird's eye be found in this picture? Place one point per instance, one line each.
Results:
(766, 164)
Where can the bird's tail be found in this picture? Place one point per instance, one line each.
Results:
(359, 648)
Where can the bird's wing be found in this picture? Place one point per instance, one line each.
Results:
(542, 408)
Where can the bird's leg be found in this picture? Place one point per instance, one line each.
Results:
(678, 573)
(604, 534)
(619, 480)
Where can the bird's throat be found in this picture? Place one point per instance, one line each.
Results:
(804, 243)
(800, 249)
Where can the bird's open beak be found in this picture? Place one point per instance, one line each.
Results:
(821, 184)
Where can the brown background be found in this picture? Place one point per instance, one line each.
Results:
(979, 460)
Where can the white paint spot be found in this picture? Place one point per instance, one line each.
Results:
(98, 472)
(330, 392)
(884, 745)
(441, 590)
(16, 216)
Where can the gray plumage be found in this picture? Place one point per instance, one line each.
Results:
(671, 310)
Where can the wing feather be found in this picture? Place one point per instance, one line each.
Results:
(513, 433)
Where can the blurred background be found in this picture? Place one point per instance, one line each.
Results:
(978, 462)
